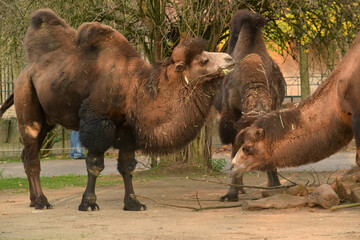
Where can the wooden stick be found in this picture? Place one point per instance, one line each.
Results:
(187, 207)
(345, 206)
(235, 185)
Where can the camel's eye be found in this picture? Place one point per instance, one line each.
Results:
(204, 61)
(246, 150)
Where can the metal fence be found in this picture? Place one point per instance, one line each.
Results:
(10, 143)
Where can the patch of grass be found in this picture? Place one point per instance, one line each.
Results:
(57, 182)
(18, 159)
(10, 158)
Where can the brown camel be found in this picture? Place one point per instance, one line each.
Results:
(318, 127)
(92, 80)
(256, 86)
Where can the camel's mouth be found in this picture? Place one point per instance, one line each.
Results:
(236, 171)
(217, 75)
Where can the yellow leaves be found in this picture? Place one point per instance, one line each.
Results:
(347, 27)
(304, 40)
(332, 19)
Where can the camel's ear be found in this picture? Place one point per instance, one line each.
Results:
(180, 66)
(259, 134)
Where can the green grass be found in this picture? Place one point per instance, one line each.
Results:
(4, 158)
(57, 182)
(10, 159)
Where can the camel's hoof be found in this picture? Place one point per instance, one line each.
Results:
(229, 197)
(140, 207)
(86, 206)
(132, 204)
(43, 206)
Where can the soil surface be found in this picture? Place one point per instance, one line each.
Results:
(64, 221)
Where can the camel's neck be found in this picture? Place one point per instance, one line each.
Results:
(321, 127)
(173, 118)
(250, 41)
(256, 96)
(311, 132)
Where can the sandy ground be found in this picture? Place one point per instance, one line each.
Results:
(18, 221)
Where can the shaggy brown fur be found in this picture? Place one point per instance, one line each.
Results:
(256, 86)
(318, 127)
(93, 81)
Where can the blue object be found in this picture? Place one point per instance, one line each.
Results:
(76, 150)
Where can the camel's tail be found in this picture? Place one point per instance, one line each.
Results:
(7, 104)
(47, 32)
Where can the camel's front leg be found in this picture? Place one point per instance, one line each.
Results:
(126, 165)
(94, 165)
(233, 192)
(356, 130)
(273, 178)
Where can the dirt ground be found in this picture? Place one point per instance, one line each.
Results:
(64, 221)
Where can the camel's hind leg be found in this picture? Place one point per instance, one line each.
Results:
(30, 158)
(33, 129)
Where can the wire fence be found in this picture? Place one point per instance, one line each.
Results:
(10, 141)
(11, 146)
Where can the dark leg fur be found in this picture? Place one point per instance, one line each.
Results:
(96, 131)
(227, 130)
(356, 130)
(94, 164)
(233, 192)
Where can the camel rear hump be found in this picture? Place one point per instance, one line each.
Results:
(47, 32)
(93, 36)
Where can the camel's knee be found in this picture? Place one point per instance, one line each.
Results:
(32, 130)
(128, 167)
(95, 165)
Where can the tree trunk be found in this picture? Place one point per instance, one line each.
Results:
(304, 72)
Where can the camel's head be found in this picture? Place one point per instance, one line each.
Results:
(194, 64)
(251, 152)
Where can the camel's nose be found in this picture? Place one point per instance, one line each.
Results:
(229, 59)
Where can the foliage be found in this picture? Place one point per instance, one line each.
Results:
(51, 138)
(217, 164)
